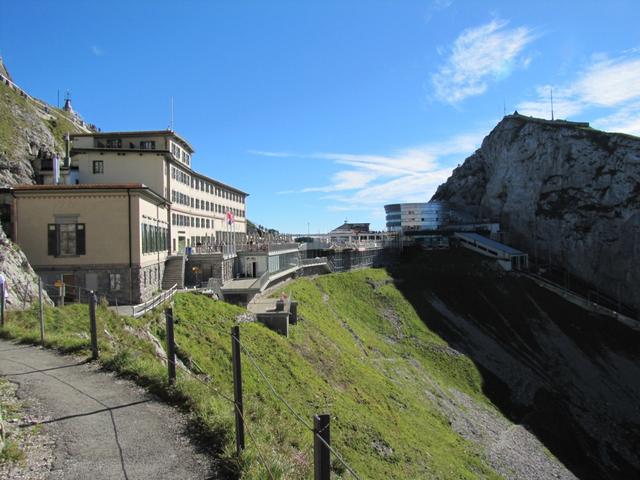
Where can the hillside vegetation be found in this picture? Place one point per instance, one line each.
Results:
(361, 354)
(403, 403)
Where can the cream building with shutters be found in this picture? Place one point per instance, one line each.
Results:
(162, 160)
(110, 238)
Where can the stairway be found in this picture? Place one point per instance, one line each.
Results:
(173, 272)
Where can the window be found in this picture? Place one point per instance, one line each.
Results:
(114, 143)
(65, 239)
(98, 166)
(148, 145)
(115, 283)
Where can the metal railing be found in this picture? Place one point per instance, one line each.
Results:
(307, 262)
(141, 309)
(226, 250)
(262, 281)
(268, 246)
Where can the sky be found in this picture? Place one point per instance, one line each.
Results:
(325, 111)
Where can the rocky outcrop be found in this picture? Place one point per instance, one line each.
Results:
(30, 130)
(21, 279)
(27, 133)
(565, 193)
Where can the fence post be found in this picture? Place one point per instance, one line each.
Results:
(321, 453)
(93, 300)
(171, 347)
(61, 293)
(2, 302)
(41, 311)
(237, 387)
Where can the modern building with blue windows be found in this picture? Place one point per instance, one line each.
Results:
(405, 217)
(431, 224)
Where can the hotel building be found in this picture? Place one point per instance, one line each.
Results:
(199, 206)
(119, 209)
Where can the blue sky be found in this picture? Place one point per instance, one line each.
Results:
(327, 110)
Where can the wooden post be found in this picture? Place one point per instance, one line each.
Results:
(171, 347)
(237, 387)
(41, 311)
(61, 293)
(321, 453)
(93, 300)
(2, 302)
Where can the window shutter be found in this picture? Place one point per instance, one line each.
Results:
(52, 240)
(80, 239)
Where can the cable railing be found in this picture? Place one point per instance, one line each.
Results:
(159, 299)
(318, 434)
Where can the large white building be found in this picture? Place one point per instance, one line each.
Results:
(202, 211)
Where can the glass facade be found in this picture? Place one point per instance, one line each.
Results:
(420, 216)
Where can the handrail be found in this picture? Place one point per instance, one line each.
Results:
(260, 282)
(141, 309)
(584, 302)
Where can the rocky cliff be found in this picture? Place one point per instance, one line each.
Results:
(29, 130)
(565, 193)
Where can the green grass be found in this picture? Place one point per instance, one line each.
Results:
(14, 111)
(361, 354)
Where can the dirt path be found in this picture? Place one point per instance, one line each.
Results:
(104, 427)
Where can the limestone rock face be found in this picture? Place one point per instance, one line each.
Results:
(29, 130)
(21, 279)
(25, 135)
(564, 192)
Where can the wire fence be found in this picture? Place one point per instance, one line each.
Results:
(320, 435)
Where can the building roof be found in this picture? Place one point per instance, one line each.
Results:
(154, 132)
(137, 133)
(487, 242)
(350, 227)
(84, 187)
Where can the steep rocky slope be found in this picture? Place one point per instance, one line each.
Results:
(570, 377)
(29, 130)
(565, 193)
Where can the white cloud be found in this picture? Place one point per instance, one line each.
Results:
(97, 51)
(610, 82)
(365, 181)
(626, 119)
(435, 7)
(605, 83)
(481, 55)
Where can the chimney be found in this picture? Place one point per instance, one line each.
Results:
(67, 151)
(56, 170)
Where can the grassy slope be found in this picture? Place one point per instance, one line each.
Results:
(361, 354)
(13, 126)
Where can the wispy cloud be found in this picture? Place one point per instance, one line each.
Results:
(626, 119)
(97, 51)
(436, 6)
(610, 83)
(479, 56)
(366, 181)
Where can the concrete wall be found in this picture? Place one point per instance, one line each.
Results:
(123, 167)
(105, 216)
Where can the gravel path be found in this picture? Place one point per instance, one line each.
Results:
(104, 427)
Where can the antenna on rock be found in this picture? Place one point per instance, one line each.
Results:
(551, 94)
